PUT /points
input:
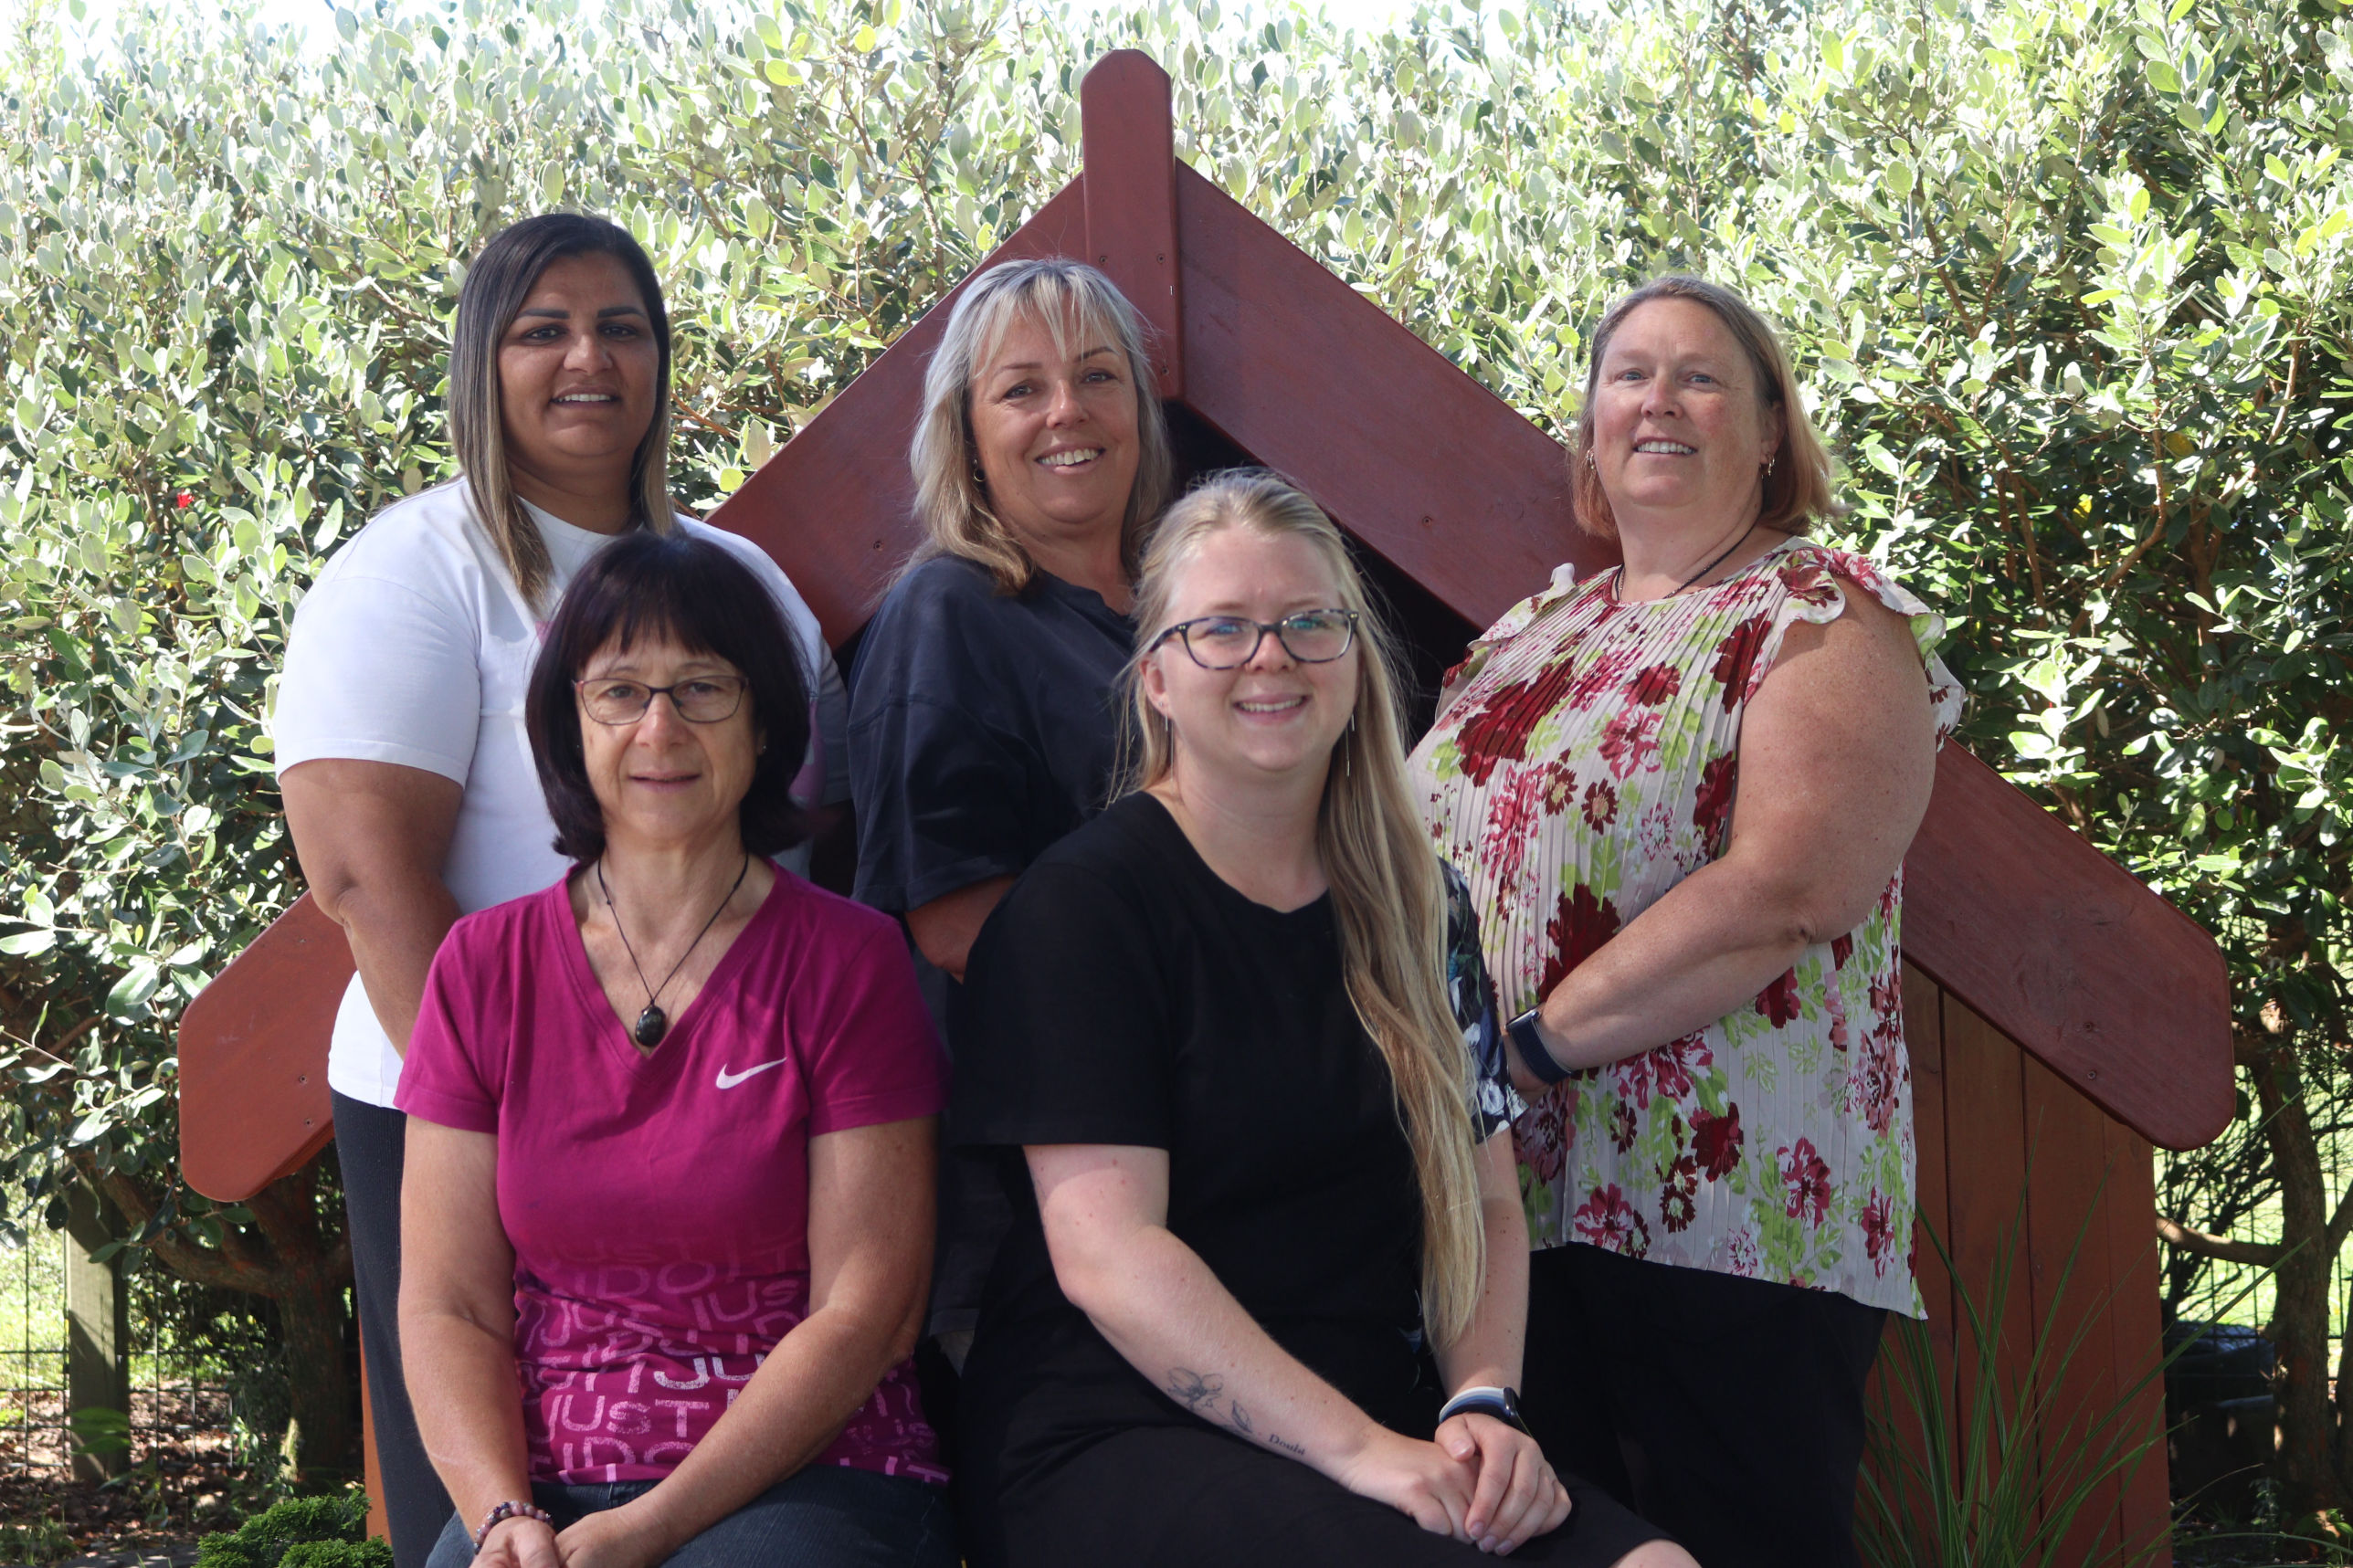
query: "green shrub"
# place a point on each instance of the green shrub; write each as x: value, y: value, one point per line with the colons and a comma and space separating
x: 301, y: 1532
x: 2066, y: 279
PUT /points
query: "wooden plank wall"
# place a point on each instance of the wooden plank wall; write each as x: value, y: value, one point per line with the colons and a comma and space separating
x: 2002, y: 1139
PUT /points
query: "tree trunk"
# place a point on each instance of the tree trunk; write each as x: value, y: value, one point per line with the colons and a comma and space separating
x: 2299, y: 1328
x: 293, y: 1265
x: 319, y: 1451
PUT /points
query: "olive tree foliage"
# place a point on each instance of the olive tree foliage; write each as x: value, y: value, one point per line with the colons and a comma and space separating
x: 2065, y: 279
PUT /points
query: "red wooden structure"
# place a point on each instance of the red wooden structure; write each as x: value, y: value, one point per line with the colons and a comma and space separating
x: 2061, y: 1017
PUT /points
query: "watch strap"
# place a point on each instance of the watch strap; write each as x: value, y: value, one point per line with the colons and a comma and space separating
x: 1501, y: 1403
x: 1523, y: 1030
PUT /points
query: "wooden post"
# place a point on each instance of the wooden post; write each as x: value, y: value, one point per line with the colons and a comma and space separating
x: 98, y: 1340
x: 1128, y: 137
x: 379, y: 1522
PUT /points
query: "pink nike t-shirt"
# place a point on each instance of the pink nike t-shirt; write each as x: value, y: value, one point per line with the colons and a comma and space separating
x: 659, y: 1205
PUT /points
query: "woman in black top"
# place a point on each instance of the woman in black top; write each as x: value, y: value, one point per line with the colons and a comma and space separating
x: 1225, y: 1028
x: 981, y: 723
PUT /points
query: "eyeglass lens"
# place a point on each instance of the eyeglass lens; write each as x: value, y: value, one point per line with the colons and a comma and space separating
x: 1225, y: 642
x: 705, y: 701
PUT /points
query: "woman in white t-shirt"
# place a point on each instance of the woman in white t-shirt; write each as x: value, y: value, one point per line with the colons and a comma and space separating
x: 407, y: 777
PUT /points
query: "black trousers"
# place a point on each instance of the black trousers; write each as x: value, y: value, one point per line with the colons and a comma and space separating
x: 1727, y: 1412
x: 1180, y: 1497
x: 369, y: 1140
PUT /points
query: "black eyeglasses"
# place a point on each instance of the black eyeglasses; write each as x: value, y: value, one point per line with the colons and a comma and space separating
x: 1229, y: 642
x: 705, y: 700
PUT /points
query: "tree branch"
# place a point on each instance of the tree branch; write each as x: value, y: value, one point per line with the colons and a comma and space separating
x: 2263, y: 1253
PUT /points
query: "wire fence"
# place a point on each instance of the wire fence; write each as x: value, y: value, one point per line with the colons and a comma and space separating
x: 2246, y: 1294
x: 178, y: 1408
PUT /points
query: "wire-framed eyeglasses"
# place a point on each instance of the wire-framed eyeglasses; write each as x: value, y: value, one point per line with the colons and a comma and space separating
x: 1229, y: 642
x: 703, y: 700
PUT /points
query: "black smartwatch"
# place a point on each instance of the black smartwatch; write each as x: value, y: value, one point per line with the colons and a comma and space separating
x: 1502, y: 1404
x: 1523, y: 1030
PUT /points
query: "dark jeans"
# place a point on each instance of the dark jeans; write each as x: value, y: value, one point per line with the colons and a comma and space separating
x: 369, y: 1140
x: 823, y: 1516
x: 1727, y: 1412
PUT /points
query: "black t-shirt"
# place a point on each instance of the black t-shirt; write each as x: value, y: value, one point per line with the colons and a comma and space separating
x: 1124, y: 994
x: 982, y: 728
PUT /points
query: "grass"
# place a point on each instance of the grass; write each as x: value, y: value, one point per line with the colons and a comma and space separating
x: 1955, y: 1483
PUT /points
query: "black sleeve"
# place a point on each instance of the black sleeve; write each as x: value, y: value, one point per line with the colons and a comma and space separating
x: 1472, y: 993
x: 1070, y: 1037
x: 937, y: 768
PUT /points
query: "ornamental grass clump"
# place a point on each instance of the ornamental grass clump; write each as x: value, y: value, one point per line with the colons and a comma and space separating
x: 2002, y: 1476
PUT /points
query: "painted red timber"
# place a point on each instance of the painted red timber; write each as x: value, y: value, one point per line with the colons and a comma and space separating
x: 836, y: 505
x: 253, y: 1057
x: 1129, y: 138
x: 2109, y: 986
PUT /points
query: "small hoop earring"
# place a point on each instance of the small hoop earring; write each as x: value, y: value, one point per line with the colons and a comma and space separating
x: 979, y: 479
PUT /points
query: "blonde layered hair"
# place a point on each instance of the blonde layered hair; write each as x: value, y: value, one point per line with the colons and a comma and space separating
x: 496, y: 286
x: 1386, y: 890
x: 1798, y: 486
x: 1072, y: 302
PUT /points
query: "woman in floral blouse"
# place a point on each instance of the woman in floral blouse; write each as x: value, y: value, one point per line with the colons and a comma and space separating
x: 1680, y: 792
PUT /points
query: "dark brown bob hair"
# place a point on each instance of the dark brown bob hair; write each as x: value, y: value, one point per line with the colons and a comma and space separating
x: 500, y: 278
x: 696, y: 593
x: 1796, y: 487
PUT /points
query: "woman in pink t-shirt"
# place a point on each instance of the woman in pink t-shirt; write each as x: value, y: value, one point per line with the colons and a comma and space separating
x: 670, y: 1138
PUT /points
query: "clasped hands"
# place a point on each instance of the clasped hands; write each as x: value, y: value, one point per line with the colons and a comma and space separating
x: 1485, y: 1484
x: 610, y: 1538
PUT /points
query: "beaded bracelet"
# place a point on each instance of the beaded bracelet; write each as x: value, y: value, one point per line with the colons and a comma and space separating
x: 504, y: 1511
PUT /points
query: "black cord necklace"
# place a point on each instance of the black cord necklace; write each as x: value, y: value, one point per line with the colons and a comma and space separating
x: 653, y: 1023
x: 1695, y: 576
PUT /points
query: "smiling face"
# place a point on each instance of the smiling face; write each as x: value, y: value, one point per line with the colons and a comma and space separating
x: 578, y: 369
x: 662, y: 780
x: 1272, y: 717
x: 1055, y: 431
x: 1680, y: 423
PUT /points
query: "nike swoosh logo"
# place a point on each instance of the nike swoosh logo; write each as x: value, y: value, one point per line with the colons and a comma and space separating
x: 729, y: 1079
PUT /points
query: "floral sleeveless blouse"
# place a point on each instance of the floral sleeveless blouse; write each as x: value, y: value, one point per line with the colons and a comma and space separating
x: 1587, y: 766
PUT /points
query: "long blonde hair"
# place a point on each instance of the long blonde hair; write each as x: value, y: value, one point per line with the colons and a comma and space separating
x: 1386, y: 890
x: 1068, y: 298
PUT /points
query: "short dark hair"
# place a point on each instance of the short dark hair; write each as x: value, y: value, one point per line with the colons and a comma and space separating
x: 696, y: 593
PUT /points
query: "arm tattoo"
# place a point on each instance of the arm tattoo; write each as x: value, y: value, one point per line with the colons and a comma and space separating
x: 1195, y: 1392
x: 1200, y: 1391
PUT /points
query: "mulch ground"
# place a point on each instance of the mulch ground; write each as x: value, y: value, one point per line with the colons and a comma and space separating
x: 182, y: 1481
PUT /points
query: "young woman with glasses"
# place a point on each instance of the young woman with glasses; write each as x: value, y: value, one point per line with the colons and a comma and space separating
x: 1232, y: 1044
x: 671, y: 1134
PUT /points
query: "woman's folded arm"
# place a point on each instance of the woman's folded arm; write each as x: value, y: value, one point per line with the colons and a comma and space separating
x: 456, y: 1329
x: 1105, y: 1211
x: 1837, y: 759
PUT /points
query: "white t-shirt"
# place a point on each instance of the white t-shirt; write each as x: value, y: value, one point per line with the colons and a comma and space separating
x: 414, y: 647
